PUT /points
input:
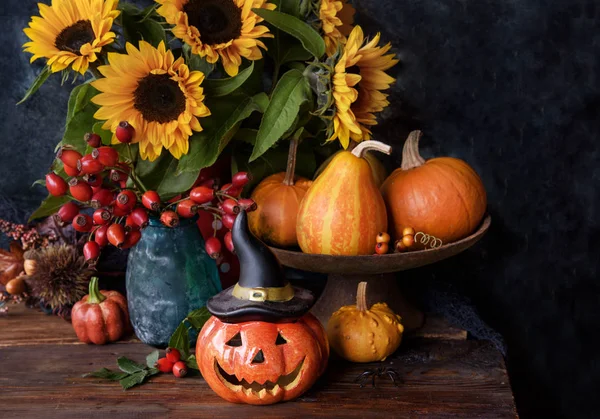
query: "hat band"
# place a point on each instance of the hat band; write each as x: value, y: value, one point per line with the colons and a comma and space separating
x: 285, y: 293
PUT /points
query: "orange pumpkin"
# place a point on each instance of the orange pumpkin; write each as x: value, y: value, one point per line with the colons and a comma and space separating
x: 443, y: 197
x: 377, y: 168
x: 278, y: 199
x: 343, y: 210
x: 262, y: 363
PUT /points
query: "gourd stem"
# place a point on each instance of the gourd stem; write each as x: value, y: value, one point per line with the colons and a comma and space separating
x: 361, y: 296
x: 360, y: 149
x: 95, y: 296
x: 291, y: 163
x: 410, y: 153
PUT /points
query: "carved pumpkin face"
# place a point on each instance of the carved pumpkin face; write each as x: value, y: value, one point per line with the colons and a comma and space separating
x: 262, y: 363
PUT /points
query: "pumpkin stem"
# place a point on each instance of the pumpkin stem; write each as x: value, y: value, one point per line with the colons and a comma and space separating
x: 95, y: 296
x: 410, y: 153
x: 361, y: 148
x: 291, y: 163
x: 361, y: 296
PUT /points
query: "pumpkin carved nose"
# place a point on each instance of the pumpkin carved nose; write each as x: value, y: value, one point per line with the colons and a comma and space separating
x: 259, y: 358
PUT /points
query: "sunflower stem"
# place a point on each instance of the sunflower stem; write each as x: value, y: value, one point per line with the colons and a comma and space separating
x: 134, y: 177
x: 95, y: 296
x: 291, y: 162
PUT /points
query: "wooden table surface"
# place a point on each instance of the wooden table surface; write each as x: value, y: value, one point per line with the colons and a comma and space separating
x: 443, y: 374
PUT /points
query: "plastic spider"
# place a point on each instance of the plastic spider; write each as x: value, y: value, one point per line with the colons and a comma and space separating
x: 379, y: 372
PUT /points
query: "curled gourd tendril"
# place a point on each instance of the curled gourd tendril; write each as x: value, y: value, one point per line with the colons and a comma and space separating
x: 428, y: 240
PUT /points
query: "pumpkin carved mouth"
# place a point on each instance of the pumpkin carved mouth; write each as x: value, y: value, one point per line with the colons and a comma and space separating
x: 286, y: 382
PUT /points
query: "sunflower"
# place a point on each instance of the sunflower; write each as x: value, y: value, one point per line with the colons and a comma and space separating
x: 336, y: 18
x: 71, y: 32
x: 219, y: 28
x: 358, y: 78
x: 158, y: 95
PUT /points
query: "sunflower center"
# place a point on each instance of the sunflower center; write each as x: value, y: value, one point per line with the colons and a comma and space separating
x: 218, y: 21
x: 75, y: 36
x: 159, y: 99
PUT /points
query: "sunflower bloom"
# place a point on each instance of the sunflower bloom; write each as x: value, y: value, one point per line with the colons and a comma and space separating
x: 225, y: 29
x: 158, y: 95
x: 358, y: 79
x: 71, y: 32
x: 336, y: 18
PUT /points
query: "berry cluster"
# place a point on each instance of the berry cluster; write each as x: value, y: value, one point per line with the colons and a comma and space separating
x: 172, y: 363
x: 29, y: 237
x: 405, y: 243
x: 122, y: 205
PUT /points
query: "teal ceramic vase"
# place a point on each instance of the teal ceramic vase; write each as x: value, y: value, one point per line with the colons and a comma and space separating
x: 169, y: 274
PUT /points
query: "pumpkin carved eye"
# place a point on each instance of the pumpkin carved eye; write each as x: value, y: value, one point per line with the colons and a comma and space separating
x: 235, y: 341
x: 280, y: 340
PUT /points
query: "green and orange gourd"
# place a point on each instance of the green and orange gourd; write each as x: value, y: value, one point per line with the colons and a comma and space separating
x: 343, y: 210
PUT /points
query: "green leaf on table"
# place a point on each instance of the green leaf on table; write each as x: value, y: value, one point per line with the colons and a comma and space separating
x: 107, y: 374
x: 133, y: 379
x: 197, y: 318
x: 310, y: 39
x: 152, y: 358
x: 290, y: 93
x: 223, y: 87
x: 49, y: 206
x: 191, y: 362
x: 180, y: 340
x: 137, y: 27
x: 195, y: 62
x: 127, y: 365
x: 153, y: 371
x: 37, y: 83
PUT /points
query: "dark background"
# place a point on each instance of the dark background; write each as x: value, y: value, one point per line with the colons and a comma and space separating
x: 510, y: 86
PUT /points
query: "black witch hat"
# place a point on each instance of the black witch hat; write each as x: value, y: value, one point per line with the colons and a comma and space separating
x: 262, y: 292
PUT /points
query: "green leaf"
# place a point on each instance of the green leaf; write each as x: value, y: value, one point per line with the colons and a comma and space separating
x: 227, y: 115
x: 223, y: 87
x: 197, y: 318
x: 37, y: 83
x: 310, y: 39
x: 153, y: 371
x: 80, y: 117
x: 197, y: 63
x: 39, y: 182
x: 133, y: 379
x: 191, y: 362
x: 49, y: 206
x: 294, y: 53
x: 136, y: 27
x: 180, y: 340
x: 127, y: 365
x: 147, y: 12
x: 152, y: 358
x: 104, y: 134
x: 289, y: 94
x: 173, y: 181
x: 107, y: 374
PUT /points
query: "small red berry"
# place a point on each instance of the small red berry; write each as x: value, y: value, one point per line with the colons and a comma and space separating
x: 124, y: 132
x: 101, y: 216
x: 247, y: 204
x: 126, y: 200
x: 164, y: 365
x: 169, y: 218
x: 210, y: 183
x: 56, y: 185
x: 202, y: 194
x: 118, y: 212
x: 151, y: 200
x: 131, y: 239
x: 121, y: 174
x: 100, y: 235
x: 71, y: 171
x: 116, y: 235
x: 187, y: 208
x: 241, y: 179
x: 92, y: 139
x: 91, y: 251
x: 83, y: 223
x: 139, y: 216
x: 108, y: 156
x: 213, y: 247
x: 230, y: 206
x: 66, y: 213
x: 180, y: 369
x: 381, y: 248
x: 173, y: 355
x: 93, y: 180
x: 80, y: 190
x: 88, y: 165
x: 231, y: 190
x: 130, y: 224
x: 228, y: 220
x: 68, y: 157
x: 102, y: 198
x: 228, y: 239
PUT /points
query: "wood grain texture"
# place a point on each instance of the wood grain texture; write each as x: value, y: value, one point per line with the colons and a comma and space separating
x: 41, y: 376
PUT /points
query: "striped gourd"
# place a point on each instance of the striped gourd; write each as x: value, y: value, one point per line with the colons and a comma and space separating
x: 343, y: 210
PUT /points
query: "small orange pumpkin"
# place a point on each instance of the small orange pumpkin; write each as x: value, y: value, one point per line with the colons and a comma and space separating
x: 258, y: 362
x: 377, y: 168
x: 443, y: 197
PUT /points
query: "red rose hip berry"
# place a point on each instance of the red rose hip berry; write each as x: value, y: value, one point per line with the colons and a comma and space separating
x: 91, y: 251
x: 93, y: 140
x: 80, y: 190
x: 71, y: 171
x: 231, y: 207
x: 228, y: 220
x: 90, y: 166
x: 69, y: 157
x: 101, y: 216
x: 124, y: 132
x: 126, y: 200
x: 151, y: 200
x: 180, y: 369
x: 202, y: 194
x: 169, y: 218
x: 131, y: 239
x: 100, y: 236
x: 247, y: 204
x: 228, y: 239
x: 66, y: 213
x: 164, y: 365
x: 139, y: 216
x: 102, y: 198
x: 108, y: 156
x: 213, y: 247
x: 116, y: 235
x: 83, y: 223
x: 241, y: 179
x: 187, y: 208
x: 173, y: 355
x: 56, y: 185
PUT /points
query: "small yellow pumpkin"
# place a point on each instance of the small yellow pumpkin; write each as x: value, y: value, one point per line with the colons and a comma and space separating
x: 359, y: 334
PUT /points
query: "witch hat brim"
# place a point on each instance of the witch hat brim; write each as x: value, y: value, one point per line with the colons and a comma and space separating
x: 262, y: 292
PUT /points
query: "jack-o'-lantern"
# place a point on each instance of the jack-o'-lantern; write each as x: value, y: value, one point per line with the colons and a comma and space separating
x: 261, y: 346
